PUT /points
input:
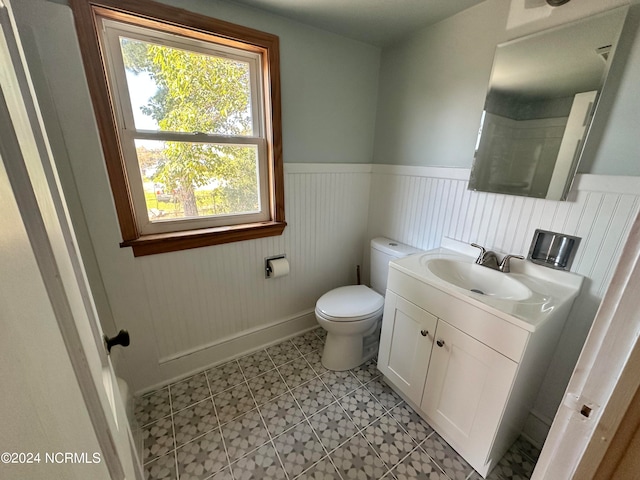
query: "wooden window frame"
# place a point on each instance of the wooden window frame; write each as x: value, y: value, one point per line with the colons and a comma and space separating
x: 175, y: 20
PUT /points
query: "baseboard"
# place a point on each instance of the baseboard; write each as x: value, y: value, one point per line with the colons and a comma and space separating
x: 228, y: 348
x: 536, y: 428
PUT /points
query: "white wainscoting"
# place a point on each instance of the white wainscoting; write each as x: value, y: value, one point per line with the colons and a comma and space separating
x: 204, y: 298
x: 420, y: 205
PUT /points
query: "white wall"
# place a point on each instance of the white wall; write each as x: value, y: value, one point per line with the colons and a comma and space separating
x: 617, y: 148
x: 433, y: 87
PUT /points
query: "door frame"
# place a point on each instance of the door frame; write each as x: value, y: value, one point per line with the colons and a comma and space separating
x: 39, y: 198
x: 604, y: 381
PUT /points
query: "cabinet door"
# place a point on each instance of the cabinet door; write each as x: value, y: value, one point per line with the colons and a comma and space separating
x: 405, y: 345
x: 467, y: 387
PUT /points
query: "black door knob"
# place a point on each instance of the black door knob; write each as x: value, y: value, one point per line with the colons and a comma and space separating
x: 122, y: 338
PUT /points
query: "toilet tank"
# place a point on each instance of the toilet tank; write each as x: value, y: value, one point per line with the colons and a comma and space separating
x: 383, y: 250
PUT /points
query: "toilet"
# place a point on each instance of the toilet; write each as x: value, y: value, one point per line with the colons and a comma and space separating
x: 352, y: 315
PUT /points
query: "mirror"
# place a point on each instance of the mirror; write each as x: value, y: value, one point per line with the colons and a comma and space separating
x: 542, y: 97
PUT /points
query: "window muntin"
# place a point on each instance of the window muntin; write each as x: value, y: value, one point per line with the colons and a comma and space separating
x: 210, y: 128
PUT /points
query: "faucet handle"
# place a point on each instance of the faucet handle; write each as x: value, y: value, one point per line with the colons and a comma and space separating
x: 482, y: 252
x: 505, y: 264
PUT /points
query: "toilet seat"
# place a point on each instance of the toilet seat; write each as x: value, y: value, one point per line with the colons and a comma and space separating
x: 349, y: 304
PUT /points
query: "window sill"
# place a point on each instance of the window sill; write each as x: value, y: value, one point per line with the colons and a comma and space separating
x: 175, y: 241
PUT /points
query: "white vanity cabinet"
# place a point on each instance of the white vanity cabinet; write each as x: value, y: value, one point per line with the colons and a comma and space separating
x: 466, y: 389
x: 407, y: 333
x: 472, y: 375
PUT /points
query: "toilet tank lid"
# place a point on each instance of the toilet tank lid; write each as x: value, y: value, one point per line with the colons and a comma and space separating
x: 350, y: 301
x: 393, y: 248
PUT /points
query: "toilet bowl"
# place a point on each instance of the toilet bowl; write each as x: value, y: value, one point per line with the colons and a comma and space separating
x: 352, y: 315
x: 349, y: 315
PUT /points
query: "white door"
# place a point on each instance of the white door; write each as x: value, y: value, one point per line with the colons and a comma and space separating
x: 405, y: 345
x: 466, y: 390
x: 30, y: 176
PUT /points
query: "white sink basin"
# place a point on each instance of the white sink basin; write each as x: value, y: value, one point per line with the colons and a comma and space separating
x: 478, y: 279
x: 528, y: 296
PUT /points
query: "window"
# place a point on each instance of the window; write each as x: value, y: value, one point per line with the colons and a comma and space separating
x: 189, y: 118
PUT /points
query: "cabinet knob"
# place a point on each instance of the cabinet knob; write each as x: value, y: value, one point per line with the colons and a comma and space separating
x: 424, y: 333
x: 440, y: 343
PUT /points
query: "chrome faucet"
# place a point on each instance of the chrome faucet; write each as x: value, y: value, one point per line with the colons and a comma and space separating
x: 505, y: 265
x: 490, y: 259
x: 486, y: 258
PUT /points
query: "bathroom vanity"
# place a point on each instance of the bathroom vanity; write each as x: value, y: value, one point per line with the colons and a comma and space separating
x: 468, y: 346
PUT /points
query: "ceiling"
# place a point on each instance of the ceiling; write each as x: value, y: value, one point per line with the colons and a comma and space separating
x: 378, y: 22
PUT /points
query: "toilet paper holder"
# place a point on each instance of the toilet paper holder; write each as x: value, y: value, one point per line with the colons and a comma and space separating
x: 553, y: 249
x: 267, y: 267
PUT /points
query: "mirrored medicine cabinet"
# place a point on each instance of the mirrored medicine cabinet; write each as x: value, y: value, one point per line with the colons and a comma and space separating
x: 542, y: 97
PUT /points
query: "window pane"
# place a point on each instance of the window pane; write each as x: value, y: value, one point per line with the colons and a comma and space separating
x: 175, y: 90
x: 187, y: 180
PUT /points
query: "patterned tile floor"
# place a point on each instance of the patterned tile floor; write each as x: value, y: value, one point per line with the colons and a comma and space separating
x: 279, y: 414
